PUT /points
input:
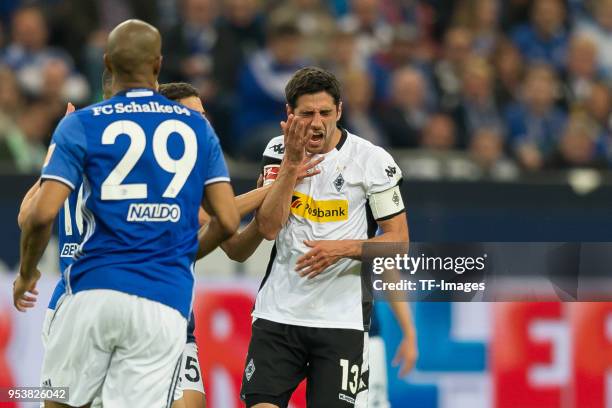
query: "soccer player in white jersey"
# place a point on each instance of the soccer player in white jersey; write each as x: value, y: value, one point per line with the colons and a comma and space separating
x: 190, y: 390
x: 310, y: 320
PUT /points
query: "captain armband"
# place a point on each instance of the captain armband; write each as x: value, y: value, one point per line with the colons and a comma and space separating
x: 386, y: 204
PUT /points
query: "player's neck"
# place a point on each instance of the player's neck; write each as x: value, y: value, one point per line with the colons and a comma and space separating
x: 120, y: 85
x: 334, y: 141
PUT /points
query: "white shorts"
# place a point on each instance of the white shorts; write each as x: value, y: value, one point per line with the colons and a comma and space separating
x: 97, y: 402
x: 377, y: 390
x: 121, y: 347
x: 190, y: 378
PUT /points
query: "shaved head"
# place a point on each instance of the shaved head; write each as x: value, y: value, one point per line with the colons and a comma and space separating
x: 133, y: 55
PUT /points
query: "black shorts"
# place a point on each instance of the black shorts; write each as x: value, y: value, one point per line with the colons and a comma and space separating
x: 333, y: 361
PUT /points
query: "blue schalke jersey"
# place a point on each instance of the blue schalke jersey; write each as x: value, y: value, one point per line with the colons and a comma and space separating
x: 144, y: 162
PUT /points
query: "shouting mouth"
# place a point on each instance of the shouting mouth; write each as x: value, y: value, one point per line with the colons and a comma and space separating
x: 316, y: 139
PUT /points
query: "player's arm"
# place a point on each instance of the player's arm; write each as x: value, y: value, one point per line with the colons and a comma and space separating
x: 240, y: 246
x: 38, y: 224
x: 212, y: 234
x: 274, y: 211
x: 26, y: 203
x: 61, y: 172
x: 407, y: 351
x: 35, y: 234
x: 221, y: 202
x: 325, y: 253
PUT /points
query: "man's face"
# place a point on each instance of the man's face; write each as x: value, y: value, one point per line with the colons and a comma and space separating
x: 320, y: 109
x: 193, y: 102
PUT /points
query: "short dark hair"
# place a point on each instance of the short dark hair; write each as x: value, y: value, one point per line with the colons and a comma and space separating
x: 312, y: 80
x: 176, y: 91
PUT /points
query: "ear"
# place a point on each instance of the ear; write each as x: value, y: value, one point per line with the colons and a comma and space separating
x: 157, y: 65
x: 288, y: 109
x: 339, y: 115
x: 107, y: 63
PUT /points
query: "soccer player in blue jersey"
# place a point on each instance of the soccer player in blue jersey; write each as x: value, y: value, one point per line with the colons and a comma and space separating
x: 144, y: 162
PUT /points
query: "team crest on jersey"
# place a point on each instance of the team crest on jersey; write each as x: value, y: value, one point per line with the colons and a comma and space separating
x: 307, y: 207
x: 339, y: 182
x: 249, y: 370
x: 395, y: 198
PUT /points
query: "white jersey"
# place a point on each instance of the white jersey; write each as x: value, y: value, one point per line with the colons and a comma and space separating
x: 332, y: 205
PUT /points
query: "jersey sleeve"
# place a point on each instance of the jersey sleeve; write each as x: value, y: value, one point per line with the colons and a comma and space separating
x: 216, y: 170
x: 274, y: 152
x: 271, y: 160
x: 66, y: 156
x: 381, y: 173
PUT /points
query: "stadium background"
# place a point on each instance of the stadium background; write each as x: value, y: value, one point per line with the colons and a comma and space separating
x: 498, y: 113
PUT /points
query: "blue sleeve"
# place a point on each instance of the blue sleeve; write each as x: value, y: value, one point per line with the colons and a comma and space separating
x: 216, y: 169
x: 66, y: 156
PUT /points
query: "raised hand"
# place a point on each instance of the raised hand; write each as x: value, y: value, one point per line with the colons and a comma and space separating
x: 296, y: 135
x: 308, y: 167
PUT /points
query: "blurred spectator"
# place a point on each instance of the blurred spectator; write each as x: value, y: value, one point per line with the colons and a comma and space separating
x: 188, y: 46
x: 447, y: 71
x: 598, y: 108
x: 261, y: 89
x: 59, y: 88
x: 314, y: 21
x: 357, y: 101
x: 509, y: 69
x: 487, y: 151
x: 600, y: 31
x: 372, y: 30
x: 514, y: 13
x: 581, y: 70
x: 439, y: 133
x: 477, y: 108
x: 241, y: 33
x: 577, y: 147
x: 22, y: 144
x: 28, y: 54
x: 535, y: 123
x: 72, y: 22
x: 407, y: 48
x: 545, y: 38
x: 11, y: 99
x: 494, y: 75
x: 402, y: 121
x: 481, y: 17
x: 344, y: 58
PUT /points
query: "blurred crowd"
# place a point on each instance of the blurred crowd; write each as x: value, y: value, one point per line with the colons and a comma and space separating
x: 521, y: 84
